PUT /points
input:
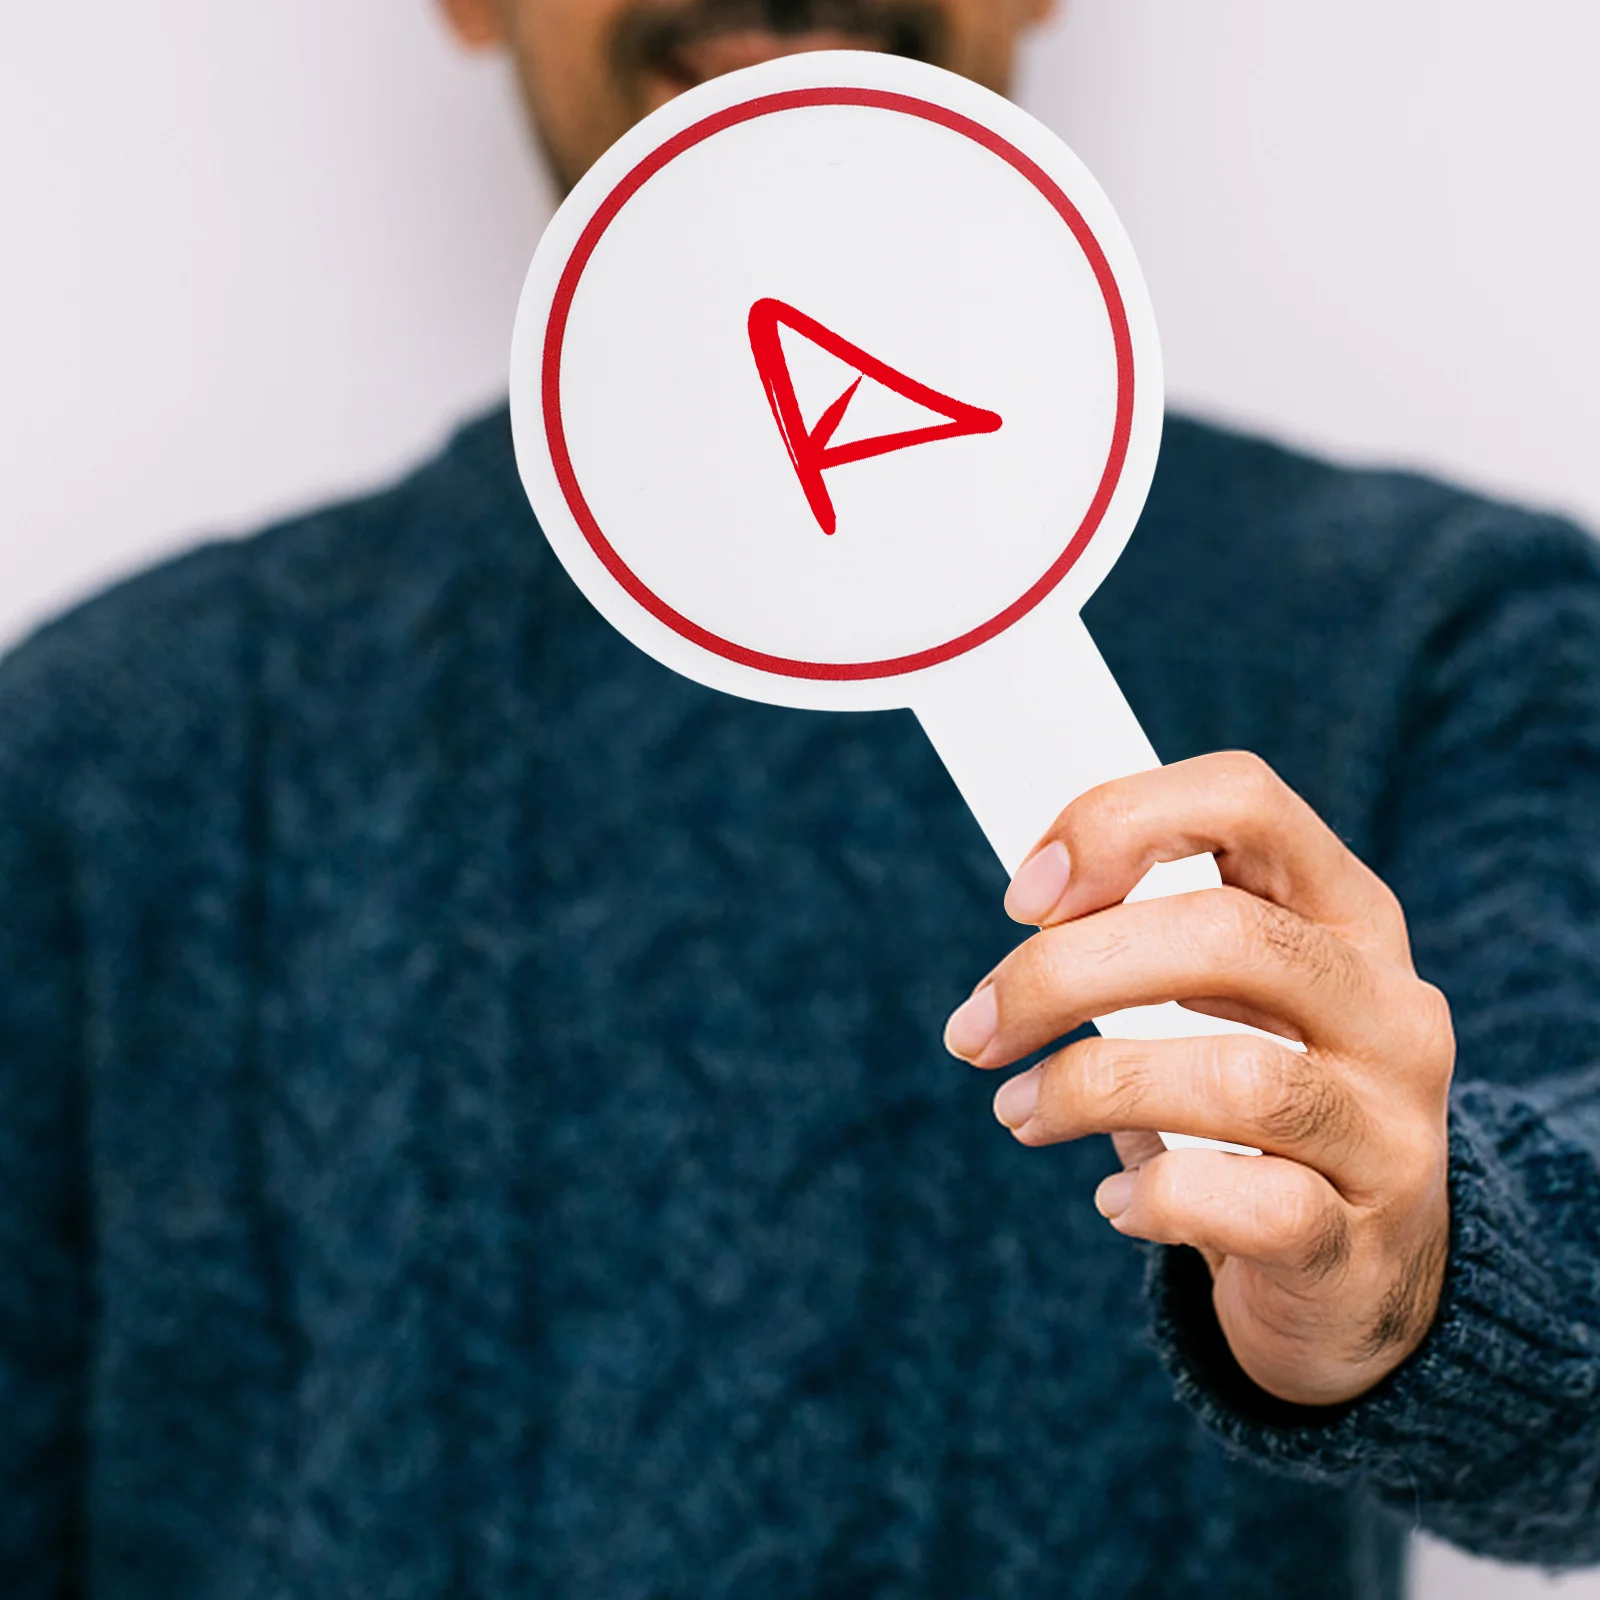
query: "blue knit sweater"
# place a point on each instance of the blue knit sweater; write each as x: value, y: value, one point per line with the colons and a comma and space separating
x: 473, y: 1122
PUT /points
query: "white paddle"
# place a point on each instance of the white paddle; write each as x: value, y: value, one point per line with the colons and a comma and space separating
x: 836, y: 384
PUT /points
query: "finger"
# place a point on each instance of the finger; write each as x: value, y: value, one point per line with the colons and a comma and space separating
x: 1280, y: 1215
x: 1234, y: 1087
x: 1218, y: 944
x: 1266, y: 839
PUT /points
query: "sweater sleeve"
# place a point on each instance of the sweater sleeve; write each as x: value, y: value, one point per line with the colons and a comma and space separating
x: 43, y: 1225
x: 1489, y: 1435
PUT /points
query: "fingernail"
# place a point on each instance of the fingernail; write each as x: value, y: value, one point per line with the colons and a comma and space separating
x: 1018, y: 1099
x: 973, y: 1025
x: 1115, y: 1195
x: 1039, y: 885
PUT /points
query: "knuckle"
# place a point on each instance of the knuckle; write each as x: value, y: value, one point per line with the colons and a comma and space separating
x: 1388, y: 909
x: 1293, y: 1224
x: 1252, y: 782
x: 1104, y: 812
x: 1117, y: 1080
x: 1292, y: 1100
x: 1419, y: 1179
x: 1285, y: 938
x: 1283, y: 1218
x: 1435, y: 1045
x: 1220, y: 924
x: 1417, y: 1046
x: 1242, y: 927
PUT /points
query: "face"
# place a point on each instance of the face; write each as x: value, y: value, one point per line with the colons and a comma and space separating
x: 590, y: 69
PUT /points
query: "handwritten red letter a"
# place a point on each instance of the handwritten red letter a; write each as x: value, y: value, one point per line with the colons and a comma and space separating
x: 810, y: 449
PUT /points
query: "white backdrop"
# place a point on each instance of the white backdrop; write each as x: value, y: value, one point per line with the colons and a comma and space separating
x: 258, y: 252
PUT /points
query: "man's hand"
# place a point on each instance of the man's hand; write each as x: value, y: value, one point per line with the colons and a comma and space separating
x: 1327, y: 1251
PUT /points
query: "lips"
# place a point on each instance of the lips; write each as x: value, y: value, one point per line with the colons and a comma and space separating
x: 663, y: 46
x: 695, y: 60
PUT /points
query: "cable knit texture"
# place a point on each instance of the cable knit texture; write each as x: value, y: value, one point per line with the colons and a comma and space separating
x: 473, y: 1123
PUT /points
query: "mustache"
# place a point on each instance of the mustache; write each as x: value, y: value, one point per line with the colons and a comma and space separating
x: 650, y: 36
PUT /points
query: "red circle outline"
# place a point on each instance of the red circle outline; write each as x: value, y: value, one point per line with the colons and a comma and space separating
x: 561, y: 309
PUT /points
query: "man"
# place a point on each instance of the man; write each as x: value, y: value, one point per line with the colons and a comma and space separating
x: 472, y: 1116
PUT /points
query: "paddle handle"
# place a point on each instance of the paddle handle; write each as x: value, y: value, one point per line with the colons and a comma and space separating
x: 1025, y: 725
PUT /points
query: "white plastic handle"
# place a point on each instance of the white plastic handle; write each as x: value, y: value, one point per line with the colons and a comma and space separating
x: 1025, y: 725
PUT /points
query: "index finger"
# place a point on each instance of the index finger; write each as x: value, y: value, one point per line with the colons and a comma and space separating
x: 1266, y: 840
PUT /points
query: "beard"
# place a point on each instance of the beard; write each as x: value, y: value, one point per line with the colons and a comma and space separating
x: 657, y: 37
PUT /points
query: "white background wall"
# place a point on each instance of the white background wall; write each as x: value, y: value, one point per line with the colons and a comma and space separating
x: 257, y: 252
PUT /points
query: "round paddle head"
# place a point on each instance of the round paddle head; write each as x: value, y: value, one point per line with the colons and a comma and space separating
x: 829, y: 373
